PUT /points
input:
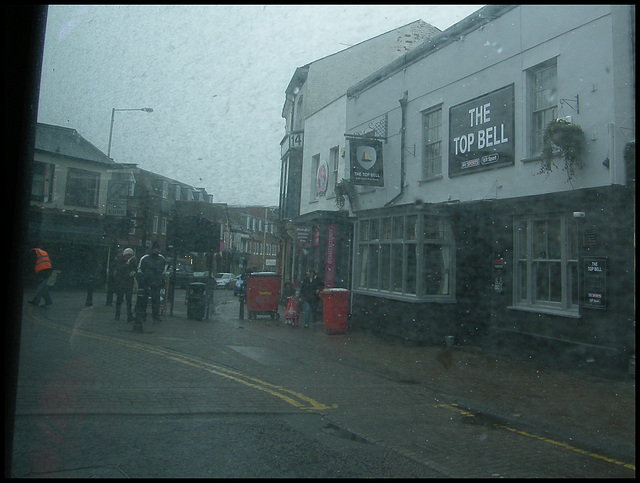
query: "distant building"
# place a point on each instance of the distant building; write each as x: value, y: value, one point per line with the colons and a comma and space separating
x: 85, y: 207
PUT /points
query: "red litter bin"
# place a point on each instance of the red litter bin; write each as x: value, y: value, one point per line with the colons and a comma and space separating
x: 335, y: 309
x: 263, y: 294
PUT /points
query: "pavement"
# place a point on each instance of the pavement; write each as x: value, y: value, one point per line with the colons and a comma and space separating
x: 593, y: 412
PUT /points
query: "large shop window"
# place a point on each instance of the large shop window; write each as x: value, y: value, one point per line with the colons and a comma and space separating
x: 82, y: 188
x: 406, y: 256
x: 546, y: 268
x: 42, y: 182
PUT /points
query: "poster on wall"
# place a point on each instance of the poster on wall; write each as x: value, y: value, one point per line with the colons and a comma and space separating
x: 481, y: 133
x: 330, y: 256
x: 322, y: 178
x: 366, y: 162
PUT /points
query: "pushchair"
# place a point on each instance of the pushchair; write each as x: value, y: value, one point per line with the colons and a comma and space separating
x: 291, y: 312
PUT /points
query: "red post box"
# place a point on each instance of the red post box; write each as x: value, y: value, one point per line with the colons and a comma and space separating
x: 335, y: 309
x: 263, y: 294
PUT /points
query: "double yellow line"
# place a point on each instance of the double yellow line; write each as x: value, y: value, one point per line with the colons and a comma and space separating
x: 454, y: 407
x: 293, y: 398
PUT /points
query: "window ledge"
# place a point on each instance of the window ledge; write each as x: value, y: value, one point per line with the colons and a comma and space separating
x: 406, y: 297
x: 532, y: 159
x: 430, y: 178
x: 546, y: 310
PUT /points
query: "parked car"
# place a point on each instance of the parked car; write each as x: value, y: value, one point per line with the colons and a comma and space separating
x: 225, y: 280
x: 184, y: 275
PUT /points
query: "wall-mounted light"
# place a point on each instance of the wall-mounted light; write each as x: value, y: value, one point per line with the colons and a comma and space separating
x: 605, y: 163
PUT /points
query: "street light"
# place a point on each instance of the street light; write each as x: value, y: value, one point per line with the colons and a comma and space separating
x: 113, y: 113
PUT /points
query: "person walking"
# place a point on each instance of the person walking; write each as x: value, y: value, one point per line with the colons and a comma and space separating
x: 43, y: 270
x: 309, y: 290
x: 124, y: 275
x: 150, y: 281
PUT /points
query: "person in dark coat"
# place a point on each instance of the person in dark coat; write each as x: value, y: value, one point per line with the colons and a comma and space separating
x: 124, y: 275
x: 150, y: 281
x: 309, y: 290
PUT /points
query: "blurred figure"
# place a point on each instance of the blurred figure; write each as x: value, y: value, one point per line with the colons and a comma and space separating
x: 43, y: 270
x: 150, y: 281
x: 309, y: 290
x: 123, y: 277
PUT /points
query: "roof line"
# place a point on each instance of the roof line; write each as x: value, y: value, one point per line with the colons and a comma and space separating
x: 463, y: 27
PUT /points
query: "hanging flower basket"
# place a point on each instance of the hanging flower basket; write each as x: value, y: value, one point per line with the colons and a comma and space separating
x: 345, y: 190
x: 565, y: 139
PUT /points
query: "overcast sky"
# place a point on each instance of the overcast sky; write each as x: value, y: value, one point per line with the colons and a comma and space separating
x: 214, y: 76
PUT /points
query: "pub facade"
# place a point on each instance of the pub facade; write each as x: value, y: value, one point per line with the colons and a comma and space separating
x: 476, y: 218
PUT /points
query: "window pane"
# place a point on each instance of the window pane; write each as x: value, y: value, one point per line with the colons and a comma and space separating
x: 540, y: 240
x: 364, y: 230
x: 573, y: 283
x: 542, y: 281
x: 373, y: 267
x: 435, y: 270
x: 396, y: 268
x: 82, y: 188
x: 386, y: 228
x: 364, y: 260
x: 432, y: 162
x: 434, y: 228
x: 398, y: 227
x: 555, y: 282
x: 411, y: 269
x: 411, y: 227
x: 522, y: 285
x: 375, y: 229
x: 572, y: 228
x: 385, y: 263
x: 554, y: 242
x: 521, y: 239
x: 544, y: 102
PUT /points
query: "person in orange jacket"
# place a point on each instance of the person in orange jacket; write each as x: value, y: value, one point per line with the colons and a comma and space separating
x: 43, y: 269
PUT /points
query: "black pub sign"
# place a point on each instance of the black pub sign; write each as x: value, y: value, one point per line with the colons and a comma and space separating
x: 481, y: 133
x: 594, y: 275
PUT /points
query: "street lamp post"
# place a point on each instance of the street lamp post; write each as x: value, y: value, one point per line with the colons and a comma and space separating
x: 113, y: 113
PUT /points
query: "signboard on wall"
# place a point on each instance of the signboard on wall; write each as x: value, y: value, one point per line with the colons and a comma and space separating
x: 330, y: 256
x: 481, y: 133
x: 594, y: 274
x: 322, y: 178
x: 365, y: 156
x: 303, y: 235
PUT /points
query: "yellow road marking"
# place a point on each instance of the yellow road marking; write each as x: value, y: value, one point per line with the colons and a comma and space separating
x: 454, y: 407
x: 296, y: 399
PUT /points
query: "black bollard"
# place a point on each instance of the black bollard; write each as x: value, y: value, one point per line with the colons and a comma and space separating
x: 89, y: 301
x: 241, y: 316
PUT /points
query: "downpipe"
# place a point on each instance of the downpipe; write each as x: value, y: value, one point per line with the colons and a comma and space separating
x: 403, y: 130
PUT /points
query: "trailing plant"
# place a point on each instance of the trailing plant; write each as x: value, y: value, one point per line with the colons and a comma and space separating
x: 570, y: 141
x: 345, y: 190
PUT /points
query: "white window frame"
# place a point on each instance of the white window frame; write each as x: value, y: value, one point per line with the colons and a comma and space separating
x: 543, y: 94
x: 391, y: 257
x: 432, y: 138
x: 89, y: 181
x: 334, y: 164
x: 313, y: 185
x: 545, y: 274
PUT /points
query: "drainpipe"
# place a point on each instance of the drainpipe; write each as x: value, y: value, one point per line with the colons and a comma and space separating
x: 613, y: 161
x: 403, y: 131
